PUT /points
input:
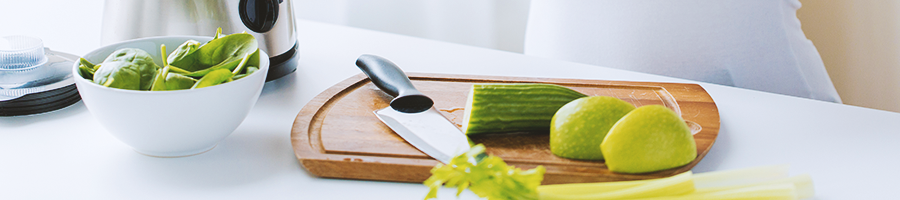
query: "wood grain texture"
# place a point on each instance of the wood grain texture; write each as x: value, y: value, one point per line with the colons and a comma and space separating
x: 336, y: 135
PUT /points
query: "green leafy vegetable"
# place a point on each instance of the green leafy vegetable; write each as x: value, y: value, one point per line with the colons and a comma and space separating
x: 223, y: 59
x: 179, y: 82
x: 252, y: 65
x: 119, y: 74
x: 85, y: 63
x: 132, y: 68
x: 253, y: 61
x: 220, y: 53
x: 248, y: 71
x: 86, y: 69
x: 488, y: 177
x: 177, y: 69
x: 241, y: 64
x: 159, y: 81
x: 218, y: 33
x: 183, y: 50
x: 213, y: 78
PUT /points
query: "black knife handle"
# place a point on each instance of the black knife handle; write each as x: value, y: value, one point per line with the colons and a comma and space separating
x: 390, y: 79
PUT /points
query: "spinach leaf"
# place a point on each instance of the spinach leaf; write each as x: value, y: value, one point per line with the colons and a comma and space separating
x: 86, y: 69
x: 220, y: 53
x: 239, y: 76
x: 179, y: 82
x: 249, y: 71
x: 142, y: 70
x: 253, y: 62
x: 240, y: 67
x: 85, y: 63
x: 86, y: 72
x: 159, y: 81
x: 213, y: 78
x: 218, y: 33
x: 184, y: 50
x: 203, y: 72
x: 119, y: 74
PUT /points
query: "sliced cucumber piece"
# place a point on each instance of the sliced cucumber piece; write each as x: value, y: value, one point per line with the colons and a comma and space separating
x: 514, y: 107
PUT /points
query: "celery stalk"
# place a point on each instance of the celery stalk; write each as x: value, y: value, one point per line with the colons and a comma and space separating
x: 701, y: 180
x: 781, y: 191
x: 490, y: 177
x: 804, y: 186
x: 589, y: 188
x: 766, y: 182
x: 676, y: 185
x: 740, y: 176
x: 802, y: 183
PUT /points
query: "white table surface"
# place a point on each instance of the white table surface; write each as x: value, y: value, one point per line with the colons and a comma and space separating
x: 851, y: 152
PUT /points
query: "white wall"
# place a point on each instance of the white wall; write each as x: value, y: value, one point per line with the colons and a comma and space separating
x: 497, y: 24
x: 859, y: 41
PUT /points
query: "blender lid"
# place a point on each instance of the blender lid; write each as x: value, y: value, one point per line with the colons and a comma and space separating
x: 34, y: 79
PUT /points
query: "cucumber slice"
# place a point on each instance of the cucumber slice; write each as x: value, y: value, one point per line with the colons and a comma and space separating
x: 515, y: 107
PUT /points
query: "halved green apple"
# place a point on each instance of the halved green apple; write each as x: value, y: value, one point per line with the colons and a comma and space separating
x: 649, y: 138
x: 578, y: 128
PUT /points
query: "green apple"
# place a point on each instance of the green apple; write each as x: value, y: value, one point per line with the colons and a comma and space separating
x: 578, y: 128
x: 649, y: 138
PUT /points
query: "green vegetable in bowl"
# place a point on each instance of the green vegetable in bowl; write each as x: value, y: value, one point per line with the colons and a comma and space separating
x: 159, y: 81
x: 86, y: 64
x: 176, y: 81
x: 221, y: 53
x: 86, y: 72
x: 87, y: 69
x: 132, y: 55
x: 213, y: 78
x: 119, y: 74
x: 185, y: 49
x: 250, y: 70
x: 223, y: 59
x: 127, y: 68
x: 247, y: 67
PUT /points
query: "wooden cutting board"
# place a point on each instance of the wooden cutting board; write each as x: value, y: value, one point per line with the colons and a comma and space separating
x: 336, y: 135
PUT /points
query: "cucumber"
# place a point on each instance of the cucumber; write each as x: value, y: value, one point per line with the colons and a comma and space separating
x: 514, y: 107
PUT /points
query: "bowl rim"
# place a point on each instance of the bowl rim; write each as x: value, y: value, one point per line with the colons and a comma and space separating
x: 264, y: 66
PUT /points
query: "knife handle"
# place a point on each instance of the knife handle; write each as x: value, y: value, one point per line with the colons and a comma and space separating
x: 390, y: 79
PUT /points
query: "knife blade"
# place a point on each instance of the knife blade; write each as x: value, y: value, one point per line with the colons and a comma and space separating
x: 411, y: 114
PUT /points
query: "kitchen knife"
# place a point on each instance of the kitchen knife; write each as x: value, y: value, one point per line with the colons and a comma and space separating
x: 411, y: 114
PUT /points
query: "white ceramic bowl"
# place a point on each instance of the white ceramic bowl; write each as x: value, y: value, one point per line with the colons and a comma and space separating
x: 170, y: 123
